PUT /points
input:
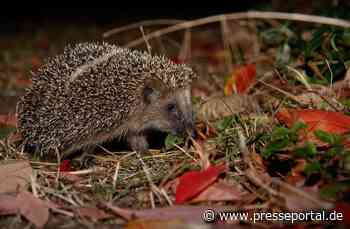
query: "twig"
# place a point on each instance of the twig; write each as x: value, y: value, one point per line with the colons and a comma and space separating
x: 146, y: 40
x: 167, y: 198
x: 185, y: 51
x: 330, y: 70
x: 34, y: 184
x: 251, y: 172
x: 151, y: 199
x: 140, y: 23
x: 115, y: 176
x: 244, y: 15
x: 289, y: 95
x: 63, y: 212
x: 185, y: 152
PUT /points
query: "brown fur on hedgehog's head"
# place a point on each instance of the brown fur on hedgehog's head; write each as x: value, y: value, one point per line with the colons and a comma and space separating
x: 164, y: 110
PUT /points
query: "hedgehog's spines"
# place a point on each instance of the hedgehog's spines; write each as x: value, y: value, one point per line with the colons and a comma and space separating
x: 100, y: 96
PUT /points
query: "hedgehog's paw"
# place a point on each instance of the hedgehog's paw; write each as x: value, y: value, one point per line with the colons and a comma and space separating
x: 138, y: 143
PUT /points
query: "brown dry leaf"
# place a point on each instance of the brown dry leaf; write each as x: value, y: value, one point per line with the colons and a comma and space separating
x: 93, y: 213
x: 220, y: 107
x: 33, y: 209
x: 219, y: 191
x: 157, y: 224
x: 8, y: 204
x: 14, y: 176
x: 321, y: 97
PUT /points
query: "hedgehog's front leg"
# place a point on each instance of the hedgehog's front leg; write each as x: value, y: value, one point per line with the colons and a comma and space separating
x: 138, y: 142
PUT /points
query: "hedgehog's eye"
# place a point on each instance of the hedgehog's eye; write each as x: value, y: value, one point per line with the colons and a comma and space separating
x: 171, y: 107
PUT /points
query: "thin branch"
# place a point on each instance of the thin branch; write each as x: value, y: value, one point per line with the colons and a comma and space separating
x: 244, y: 15
x: 138, y: 24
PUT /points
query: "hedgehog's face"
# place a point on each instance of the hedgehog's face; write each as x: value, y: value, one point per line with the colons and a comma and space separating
x: 168, y: 110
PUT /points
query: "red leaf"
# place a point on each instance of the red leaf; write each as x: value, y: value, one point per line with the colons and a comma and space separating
x: 65, y: 166
x: 333, y: 122
x: 192, y: 183
x: 328, y: 121
x: 241, y: 79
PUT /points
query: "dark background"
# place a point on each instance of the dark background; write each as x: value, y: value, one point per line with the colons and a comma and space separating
x: 16, y: 20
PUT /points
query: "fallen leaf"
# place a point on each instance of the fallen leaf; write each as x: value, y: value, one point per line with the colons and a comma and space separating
x: 219, y: 191
x: 14, y: 176
x: 241, y: 79
x: 217, y: 107
x: 93, y: 213
x: 8, y: 204
x: 328, y: 121
x: 194, y: 182
x: 8, y: 120
x: 33, y: 209
x: 30, y: 207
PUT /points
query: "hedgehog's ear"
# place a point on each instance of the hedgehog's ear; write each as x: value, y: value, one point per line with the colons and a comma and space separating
x: 153, y: 90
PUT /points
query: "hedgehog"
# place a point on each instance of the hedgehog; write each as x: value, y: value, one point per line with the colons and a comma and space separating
x: 96, y: 92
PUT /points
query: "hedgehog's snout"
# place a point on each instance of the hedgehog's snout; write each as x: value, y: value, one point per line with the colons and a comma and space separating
x: 187, y: 127
x: 191, y: 130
